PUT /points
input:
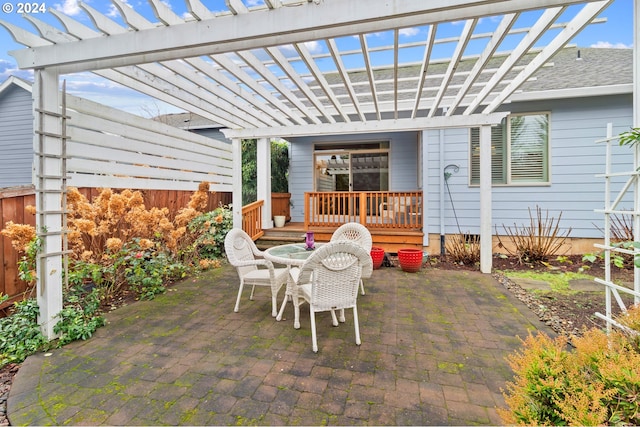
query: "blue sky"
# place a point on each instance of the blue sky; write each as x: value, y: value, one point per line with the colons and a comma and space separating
x: 616, y: 32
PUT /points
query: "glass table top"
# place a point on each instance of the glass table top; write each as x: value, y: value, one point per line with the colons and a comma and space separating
x: 293, y: 253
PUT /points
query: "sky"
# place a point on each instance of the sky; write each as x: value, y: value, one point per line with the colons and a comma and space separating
x: 617, y: 32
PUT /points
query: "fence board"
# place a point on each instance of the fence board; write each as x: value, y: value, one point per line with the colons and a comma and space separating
x: 13, y: 203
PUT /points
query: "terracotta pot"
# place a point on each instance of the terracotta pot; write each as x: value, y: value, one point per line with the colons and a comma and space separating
x: 410, y: 259
x: 377, y: 256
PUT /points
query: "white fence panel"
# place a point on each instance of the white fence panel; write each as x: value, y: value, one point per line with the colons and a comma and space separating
x: 111, y: 148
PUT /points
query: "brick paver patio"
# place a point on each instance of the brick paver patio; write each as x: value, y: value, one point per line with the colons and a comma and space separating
x: 433, y: 353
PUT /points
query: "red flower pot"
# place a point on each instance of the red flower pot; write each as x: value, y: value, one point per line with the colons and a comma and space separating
x: 410, y: 259
x: 377, y: 256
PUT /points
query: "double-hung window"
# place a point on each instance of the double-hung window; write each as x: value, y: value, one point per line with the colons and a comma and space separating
x: 519, y: 151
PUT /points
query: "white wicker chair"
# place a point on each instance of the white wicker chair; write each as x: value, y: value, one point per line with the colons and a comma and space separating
x: 329, y: 279
x: 357, y: 233
x: 243, y: 254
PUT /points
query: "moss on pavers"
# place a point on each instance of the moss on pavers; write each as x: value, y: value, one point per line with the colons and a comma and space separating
x: 189, y: 359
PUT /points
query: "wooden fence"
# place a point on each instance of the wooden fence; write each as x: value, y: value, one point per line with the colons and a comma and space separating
x: 13, y: 203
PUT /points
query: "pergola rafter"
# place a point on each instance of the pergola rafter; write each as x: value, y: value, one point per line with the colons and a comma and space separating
x: 285, y: 84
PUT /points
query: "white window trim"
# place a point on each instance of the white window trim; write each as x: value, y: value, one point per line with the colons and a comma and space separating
x: 510, y: 183
x: 342, y: 148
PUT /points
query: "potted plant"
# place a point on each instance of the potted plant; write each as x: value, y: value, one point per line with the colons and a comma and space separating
x: 410, y: 259
x: 377, y: 256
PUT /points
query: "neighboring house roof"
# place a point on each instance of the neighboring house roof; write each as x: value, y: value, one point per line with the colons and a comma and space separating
x: 13, y: 80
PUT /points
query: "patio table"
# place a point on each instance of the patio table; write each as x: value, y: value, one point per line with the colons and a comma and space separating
x: 291, y: 255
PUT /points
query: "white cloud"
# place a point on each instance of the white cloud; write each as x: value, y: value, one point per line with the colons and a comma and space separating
x: 113, y: 11
x: 312, y: 46
x: 69, y: 7
x: 409, y: 32
x: 8, y: 68
x: 609, y: 45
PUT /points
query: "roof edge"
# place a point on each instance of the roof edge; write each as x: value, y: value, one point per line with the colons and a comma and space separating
x: 582, y: 92
x: 13, y: 80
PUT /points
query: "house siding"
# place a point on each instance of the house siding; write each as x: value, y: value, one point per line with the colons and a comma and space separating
x: 575, y: 190
x: 402, y: 158
x: 16, y: 137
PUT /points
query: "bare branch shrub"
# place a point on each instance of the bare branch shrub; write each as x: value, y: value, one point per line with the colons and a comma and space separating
x: 622, y: 228
x: 539, y: 241
x: 463, y: 248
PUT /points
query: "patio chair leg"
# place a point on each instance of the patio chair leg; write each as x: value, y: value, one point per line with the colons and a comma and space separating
x: 237, y: 307
x: 274, y: 305
x: 334, y: 319
x: 253, y: 288
x: 361, y: 287
x: 296, y: 313
x: 314, y: 338
x: 342, y: 318
x: 357, y: 326
x: 284, y: 304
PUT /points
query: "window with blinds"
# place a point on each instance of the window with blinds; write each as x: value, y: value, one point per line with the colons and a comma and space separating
x: 519, y: 151
x: 498, y: 156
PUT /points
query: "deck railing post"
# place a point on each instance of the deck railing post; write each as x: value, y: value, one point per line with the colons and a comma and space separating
x: 363, y: 208
x: 307, y: 208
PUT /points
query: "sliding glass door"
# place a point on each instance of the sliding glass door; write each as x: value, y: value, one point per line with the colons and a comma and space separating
x: 351, y: 170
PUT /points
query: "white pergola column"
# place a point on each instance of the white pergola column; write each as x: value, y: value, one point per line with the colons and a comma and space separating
x: 236, y: 197
x: 636, y: 123
x: 423, y: 165
x: 263, y: 169
x: 49, y: 157
x: 486, y: 244
x: 636, y: 66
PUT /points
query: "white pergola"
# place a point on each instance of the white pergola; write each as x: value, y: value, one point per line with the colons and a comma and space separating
x: 254, y: 71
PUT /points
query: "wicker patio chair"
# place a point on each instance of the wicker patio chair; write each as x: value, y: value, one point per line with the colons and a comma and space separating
x: 329, y: 280
x: 243, y: 254
x: 357, y: 233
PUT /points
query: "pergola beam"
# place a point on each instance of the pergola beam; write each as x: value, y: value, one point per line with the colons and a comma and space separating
x: 421, y: 123
x: 256, y: 30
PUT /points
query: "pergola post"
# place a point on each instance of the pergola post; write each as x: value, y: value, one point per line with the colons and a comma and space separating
x: 486, y: 244
x: 236, y: 197
x: 636, y: 124
x: 49, y: 179
x: 424, y: 186
x: 263, y: 166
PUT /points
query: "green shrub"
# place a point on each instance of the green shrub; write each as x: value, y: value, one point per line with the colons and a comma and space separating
x: 211, y: 229
x: 20, y: 334
x: 80, y: 316
x: 597, y: 383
